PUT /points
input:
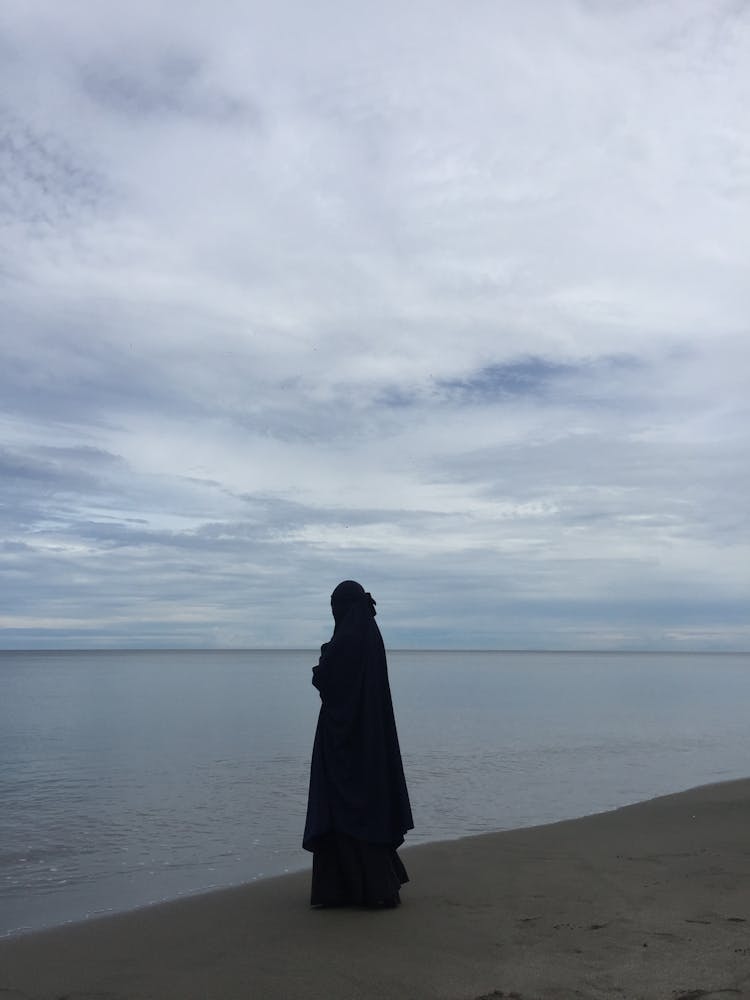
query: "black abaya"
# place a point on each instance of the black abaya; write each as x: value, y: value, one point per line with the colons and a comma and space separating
x: 358, y: 805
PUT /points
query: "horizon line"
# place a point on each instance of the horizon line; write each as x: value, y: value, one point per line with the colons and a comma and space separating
x: 392, y: 649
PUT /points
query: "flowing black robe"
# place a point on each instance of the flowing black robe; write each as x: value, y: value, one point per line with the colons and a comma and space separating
x: 358, y: 805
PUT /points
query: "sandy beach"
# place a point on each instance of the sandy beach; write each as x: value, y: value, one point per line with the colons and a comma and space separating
x: 649, y: 901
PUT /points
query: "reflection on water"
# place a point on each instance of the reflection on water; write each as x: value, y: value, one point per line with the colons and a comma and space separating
x: 131, y: 777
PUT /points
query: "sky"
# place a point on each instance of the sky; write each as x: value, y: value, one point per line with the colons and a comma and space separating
x: 451, y: 298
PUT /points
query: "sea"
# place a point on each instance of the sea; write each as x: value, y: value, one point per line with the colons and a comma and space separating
x: 132, y: 777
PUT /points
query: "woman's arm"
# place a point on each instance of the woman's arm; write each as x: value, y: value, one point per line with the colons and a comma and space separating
x: 316, y: 668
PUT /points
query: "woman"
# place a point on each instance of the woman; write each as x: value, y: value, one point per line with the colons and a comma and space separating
x: 358, y: 806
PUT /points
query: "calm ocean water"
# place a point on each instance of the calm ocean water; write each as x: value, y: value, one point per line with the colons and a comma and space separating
x: 132, y: 777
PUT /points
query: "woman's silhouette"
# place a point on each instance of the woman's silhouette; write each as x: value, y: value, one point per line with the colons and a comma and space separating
x: 358, y: 806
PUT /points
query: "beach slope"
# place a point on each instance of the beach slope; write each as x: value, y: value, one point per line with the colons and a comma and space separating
x: 649, y: 901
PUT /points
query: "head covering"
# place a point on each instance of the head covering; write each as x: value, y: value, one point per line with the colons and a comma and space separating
x: 357, y: 784
x: 351, y: 596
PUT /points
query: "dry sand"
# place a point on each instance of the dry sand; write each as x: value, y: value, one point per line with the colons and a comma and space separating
x: 650, y: 901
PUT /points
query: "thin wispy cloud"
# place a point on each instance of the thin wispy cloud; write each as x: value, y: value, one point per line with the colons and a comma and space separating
x: 450, y: 298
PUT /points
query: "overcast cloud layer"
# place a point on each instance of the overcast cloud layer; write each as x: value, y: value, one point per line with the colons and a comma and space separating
x: 451, y: 298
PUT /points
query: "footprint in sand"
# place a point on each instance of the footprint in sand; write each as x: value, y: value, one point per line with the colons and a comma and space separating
x: 706, y: 994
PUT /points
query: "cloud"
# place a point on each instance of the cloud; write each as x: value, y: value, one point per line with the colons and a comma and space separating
x: 170, y: 85
x: 454, y: 301
x: 44, y: 186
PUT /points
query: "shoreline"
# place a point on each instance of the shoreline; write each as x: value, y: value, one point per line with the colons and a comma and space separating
x: 247, y: 883
x: 648, y: 900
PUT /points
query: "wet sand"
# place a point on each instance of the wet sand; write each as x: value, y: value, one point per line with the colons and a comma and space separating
x: 649, y: 901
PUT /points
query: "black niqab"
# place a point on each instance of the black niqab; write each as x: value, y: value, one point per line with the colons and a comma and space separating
x: 357, y: 784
